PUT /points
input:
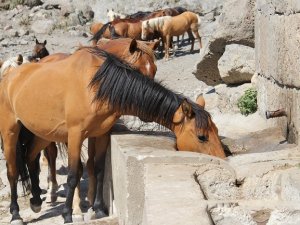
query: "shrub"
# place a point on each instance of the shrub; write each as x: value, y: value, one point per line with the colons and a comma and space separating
x: 247, y: 103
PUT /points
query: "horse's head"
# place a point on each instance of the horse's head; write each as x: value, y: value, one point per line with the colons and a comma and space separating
x: 147, y: 30
x: 195, y: 131
x: 139, y: 54
x: 112, y: 15
x: 39, y: 50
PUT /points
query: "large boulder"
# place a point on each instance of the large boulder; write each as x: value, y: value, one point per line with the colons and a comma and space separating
x: 235, y: 25
x: 237, y: 64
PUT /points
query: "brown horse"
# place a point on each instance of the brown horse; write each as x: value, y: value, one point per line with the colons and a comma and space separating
x: 177, y: 25
x: 140, y: 56
x: 61, y: 118
x: 39, y: 51
x: 120, y: 27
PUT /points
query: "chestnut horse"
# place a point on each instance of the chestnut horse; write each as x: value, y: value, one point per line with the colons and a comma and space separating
x: 60, y: 117
x: 177, y: 25
x: 127, y: 28
x: 139, y: 55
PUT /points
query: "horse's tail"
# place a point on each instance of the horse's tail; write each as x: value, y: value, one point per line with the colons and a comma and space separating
x: 24, y: 142
x: 100, y: 32
x: 198, y: 20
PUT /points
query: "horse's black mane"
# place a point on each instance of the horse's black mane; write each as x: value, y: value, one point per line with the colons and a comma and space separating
x: 130, y: 92
x: 113, y: 32
x: 100, y: 32
x: 138, y: 15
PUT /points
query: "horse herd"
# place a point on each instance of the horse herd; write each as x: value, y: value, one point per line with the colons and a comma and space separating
x: 161, y: 24
x: 71, y: 97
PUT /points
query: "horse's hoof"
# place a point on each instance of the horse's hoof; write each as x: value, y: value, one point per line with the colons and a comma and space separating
x: 35, y: 208
x: 100, y: 214
x: 17, y: 222
x: 89, y: 215
x: 77, y: 218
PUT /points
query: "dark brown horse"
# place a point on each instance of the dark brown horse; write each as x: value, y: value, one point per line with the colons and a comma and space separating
x: 39, y: 51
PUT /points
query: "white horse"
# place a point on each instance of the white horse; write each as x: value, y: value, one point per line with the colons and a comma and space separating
x: 10, y: 63
x: 112, y: 15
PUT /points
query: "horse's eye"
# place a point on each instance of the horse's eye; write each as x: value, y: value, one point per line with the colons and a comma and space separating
x: 202, y: 138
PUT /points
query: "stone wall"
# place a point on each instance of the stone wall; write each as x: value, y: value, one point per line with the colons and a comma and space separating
x: 277, y: 40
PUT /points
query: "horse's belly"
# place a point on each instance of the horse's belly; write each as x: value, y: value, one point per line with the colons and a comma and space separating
x: 40, y: 108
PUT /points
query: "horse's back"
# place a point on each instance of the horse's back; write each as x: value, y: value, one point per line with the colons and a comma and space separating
x: 181, y: 23
x: 158, y: 23
x: 54, y: 57
x: 45, y: 93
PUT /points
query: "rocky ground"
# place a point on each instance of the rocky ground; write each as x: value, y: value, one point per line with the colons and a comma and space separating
x: 65, y: 27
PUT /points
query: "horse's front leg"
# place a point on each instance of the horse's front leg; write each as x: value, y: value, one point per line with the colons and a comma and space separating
x: 101, y: 148
x: 75, y: 140
x: 77, y: 213
x: 34, y: 170
x: 91, y: 170
x: 167, y: 45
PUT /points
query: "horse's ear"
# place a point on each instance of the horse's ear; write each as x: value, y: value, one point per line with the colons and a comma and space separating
x: 107, y: 10
x: 187, y: 109
x: 133, y: 46
x: 36, y: 41
x: 200, y: 100
x: 45, y: 42
x: 20, y: 59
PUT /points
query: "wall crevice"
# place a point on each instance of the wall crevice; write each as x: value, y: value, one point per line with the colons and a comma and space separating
x: 276, y: 82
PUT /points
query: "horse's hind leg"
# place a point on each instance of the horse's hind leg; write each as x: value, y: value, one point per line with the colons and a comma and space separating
x: 191, y: 37
x: 196, y: 33
x: 34, y: 170
x: 10, y: 137
x: 51, y: 155
x: 101, y: 148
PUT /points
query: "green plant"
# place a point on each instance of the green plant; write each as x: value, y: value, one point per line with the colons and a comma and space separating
x: 247, y: 103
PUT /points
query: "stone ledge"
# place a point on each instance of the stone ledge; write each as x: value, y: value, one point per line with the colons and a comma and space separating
x: 154, y: 184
